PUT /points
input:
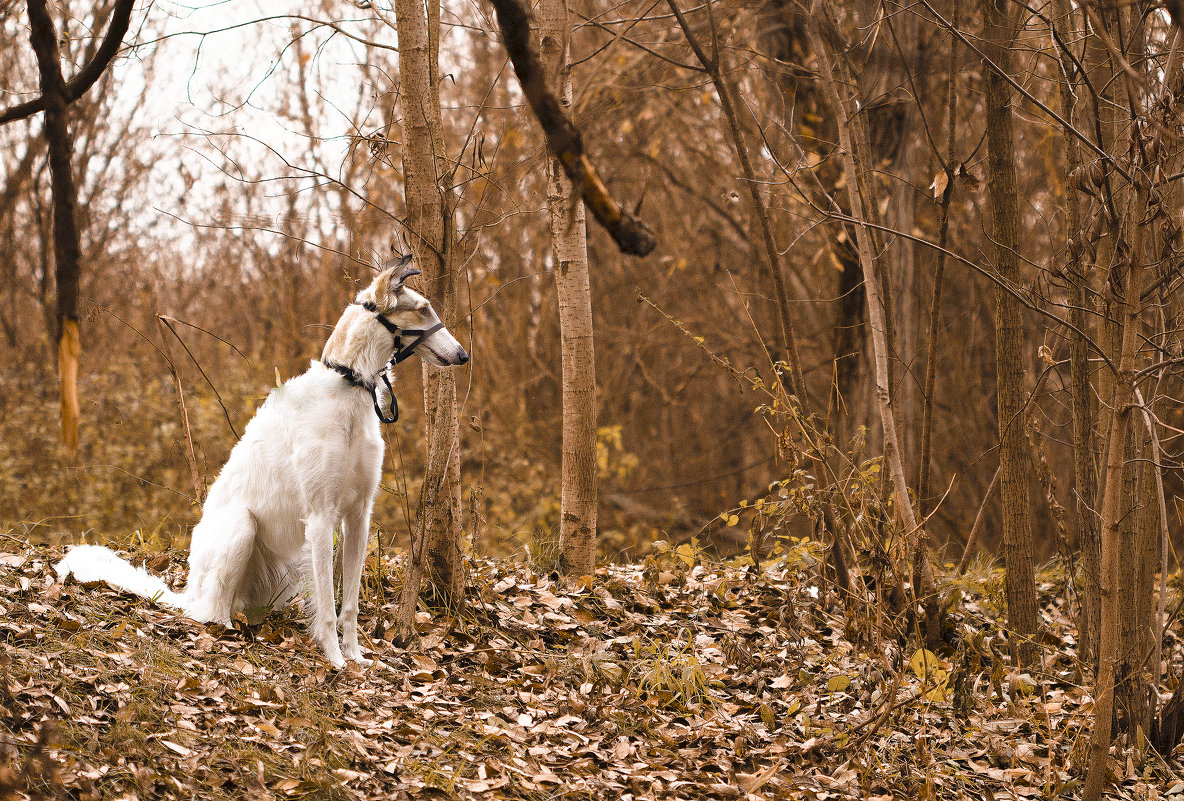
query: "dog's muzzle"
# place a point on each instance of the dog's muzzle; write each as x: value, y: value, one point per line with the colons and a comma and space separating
x: 405, y: 352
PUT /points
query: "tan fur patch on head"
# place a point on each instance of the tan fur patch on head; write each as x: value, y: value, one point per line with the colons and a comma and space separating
x: 384, y: 291
x: 379, y: 291
x: 381, y: 285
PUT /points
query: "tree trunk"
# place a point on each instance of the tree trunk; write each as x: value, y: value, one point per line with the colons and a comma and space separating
x: 808, y: 117
x: 66, y: 244
x: 1107, y: 118
x: 436, y: 542
x: 1084, y: 442
x: 1005, y: 232
x: 1158, y: 545
x: 822, y: 29
x: 1133, y: 691
x: 569, y: 246
x: 1112, y: 509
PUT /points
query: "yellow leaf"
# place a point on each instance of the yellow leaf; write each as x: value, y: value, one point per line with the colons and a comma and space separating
x: 923, y: 663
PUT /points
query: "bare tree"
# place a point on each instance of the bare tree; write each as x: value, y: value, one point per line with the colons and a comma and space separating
x: 1084, y: 408
x: 1117, y: 469
x: 569, y: 248
x: 56, y: 95
x: 436, y: 552
x: 823, y: 36
x: 1005, y: 227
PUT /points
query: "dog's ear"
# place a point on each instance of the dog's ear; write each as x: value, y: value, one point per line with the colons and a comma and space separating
x: 395, y: 272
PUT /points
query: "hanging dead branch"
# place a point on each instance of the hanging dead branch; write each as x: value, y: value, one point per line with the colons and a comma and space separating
x: 563, y: 137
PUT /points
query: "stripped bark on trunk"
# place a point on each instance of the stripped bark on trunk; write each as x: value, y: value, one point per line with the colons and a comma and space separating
x: 67, y: 249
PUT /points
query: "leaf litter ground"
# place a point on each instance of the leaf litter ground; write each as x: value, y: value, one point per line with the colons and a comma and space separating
x: 673, y: 679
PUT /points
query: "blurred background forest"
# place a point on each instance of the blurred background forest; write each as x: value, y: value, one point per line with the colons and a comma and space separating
x: 240, y: 170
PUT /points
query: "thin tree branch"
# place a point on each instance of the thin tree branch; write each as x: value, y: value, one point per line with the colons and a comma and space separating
x: 77, y: 86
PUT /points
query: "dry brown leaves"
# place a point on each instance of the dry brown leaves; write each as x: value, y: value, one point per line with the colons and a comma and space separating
x: 668, y: 680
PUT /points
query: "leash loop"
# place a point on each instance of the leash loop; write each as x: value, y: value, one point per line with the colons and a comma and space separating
x: 394, y: 404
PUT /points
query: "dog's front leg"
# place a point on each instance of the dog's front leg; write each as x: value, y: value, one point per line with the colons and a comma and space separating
x: 355, y: 533
x: 319, y: 533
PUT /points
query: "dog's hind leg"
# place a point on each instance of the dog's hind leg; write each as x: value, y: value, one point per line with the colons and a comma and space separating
x: 218, y: 559
x: 355, y: 533
x: 323, y: 629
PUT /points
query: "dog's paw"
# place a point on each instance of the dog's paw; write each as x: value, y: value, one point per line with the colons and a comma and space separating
x: 359, y: 659
x: 332, y: 652
x: 353, y: 652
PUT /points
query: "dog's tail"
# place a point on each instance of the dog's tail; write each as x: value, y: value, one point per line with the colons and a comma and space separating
x: 90, y: 563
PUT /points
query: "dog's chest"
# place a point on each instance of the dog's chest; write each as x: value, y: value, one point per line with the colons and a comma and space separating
x: 363, y: 442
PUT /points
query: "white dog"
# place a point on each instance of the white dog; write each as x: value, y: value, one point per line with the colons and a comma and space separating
x: 310, y: 460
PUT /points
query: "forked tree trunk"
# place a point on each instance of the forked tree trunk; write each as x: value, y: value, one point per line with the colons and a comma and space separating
x: 436, y: 542
x: 1112, y: 509
x: 569, y: 245
x: 822, y: 29
x: 1005, y: 232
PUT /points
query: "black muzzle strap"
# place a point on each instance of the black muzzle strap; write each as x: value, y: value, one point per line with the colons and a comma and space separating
x: 404, y: 352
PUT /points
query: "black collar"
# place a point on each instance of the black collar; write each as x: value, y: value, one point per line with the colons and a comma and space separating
x: 350, y: 375
x: 354, y: 380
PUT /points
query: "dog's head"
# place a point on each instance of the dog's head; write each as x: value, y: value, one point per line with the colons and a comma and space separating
x: 410, y: 311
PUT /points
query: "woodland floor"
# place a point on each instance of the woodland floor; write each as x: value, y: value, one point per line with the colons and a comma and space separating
x: 673, y: 679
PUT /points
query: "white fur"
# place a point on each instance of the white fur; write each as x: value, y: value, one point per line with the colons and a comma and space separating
x: 309, y: 461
